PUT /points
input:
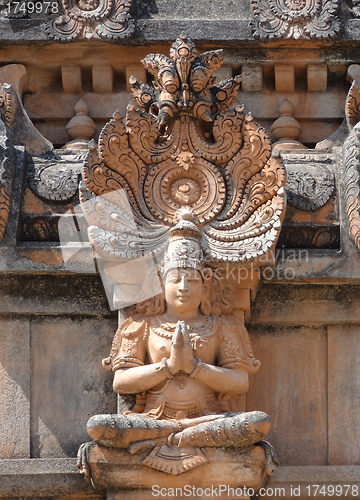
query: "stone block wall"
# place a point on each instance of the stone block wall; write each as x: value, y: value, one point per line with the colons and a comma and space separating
x: 51, y: 378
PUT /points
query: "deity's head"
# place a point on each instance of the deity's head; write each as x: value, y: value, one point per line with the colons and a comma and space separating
x: 187, y: 284
x: 184, y: 290
x: 182, y: 270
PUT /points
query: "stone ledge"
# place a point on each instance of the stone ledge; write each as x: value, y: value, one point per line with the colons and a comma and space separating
x: 305, y: 304
x: 52, y: 294
x: 50, y: 477
x: 45, y: 477
x: 35, y: 257
x: 303, y: 477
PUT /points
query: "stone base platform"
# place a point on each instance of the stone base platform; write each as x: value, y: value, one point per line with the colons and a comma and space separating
x: 45, y: 478
x: 124, y: 475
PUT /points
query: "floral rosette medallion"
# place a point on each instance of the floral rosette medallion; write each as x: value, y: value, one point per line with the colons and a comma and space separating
x: 312, y: 19
x: 92, y: 19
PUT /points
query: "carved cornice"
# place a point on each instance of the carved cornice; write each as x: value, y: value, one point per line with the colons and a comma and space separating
x: 108, y: 19
x: 312, y: 19
x: 182, y: 147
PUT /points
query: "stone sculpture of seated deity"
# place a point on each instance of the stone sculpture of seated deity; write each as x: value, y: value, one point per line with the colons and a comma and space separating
x: 183, y: 364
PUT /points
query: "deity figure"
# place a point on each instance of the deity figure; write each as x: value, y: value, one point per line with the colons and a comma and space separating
x: 201, y: 185
x: 184, y: 364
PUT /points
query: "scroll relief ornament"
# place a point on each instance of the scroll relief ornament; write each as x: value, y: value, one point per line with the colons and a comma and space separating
x: 15, y: 129
x: 311, y: 19
x: 310, y: 179
x: 108, y: 19
x: 352, y: 154
x: 181, y: 148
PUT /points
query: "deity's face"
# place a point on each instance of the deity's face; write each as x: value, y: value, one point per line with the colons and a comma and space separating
x: 183, y: 290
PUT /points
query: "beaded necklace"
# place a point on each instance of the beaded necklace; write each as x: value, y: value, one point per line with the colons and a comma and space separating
x: 198, y: 334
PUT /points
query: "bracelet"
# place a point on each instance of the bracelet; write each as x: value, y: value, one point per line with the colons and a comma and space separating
x: 199, y: 366
x: 164, y: 367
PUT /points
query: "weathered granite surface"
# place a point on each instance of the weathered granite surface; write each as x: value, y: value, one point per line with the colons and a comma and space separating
x: 160, y: 20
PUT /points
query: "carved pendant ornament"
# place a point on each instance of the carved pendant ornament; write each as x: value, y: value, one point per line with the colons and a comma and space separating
x: 182, y: 148
x: 108, y: 19
x: 313, y: 19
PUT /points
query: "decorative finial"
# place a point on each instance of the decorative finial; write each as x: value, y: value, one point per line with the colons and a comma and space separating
x: 286, y: 128
x: 81, y: 128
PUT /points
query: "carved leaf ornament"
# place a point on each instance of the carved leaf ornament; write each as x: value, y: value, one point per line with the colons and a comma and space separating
x: 352, y: 182
x: 181, y: 148
x: 7, y: 156
x: 312, y: 19
x: 352, y: 157
x: 108, y: 19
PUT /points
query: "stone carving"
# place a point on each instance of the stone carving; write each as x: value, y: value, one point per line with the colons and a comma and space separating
x: 352, y: 182
x: 352, y: 106
x: 309, y: 236
x: 202, y: 187
x: 16, y: 129
x: 7, y: 172
x: 14, y: 75
x: 355, y: 7
x: 109, y: 19
x: 286, y: 128
x: 40, y: 228
x: 351, y: 154
x: 313, y: 19
x: 178, y: 358
x: 21, y: 131
x: 181, y: 147
x: 310, y: 179
x: 45, y: 227
x: 81, y: 128
x: 55, y: 177
x: 309, y: 188
x: 180, y: 401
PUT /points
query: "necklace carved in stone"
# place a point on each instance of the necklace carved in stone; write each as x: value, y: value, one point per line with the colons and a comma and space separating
x: 198, y: 334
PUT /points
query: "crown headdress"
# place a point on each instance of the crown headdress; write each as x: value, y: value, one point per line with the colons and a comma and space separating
x: 184, y: 250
